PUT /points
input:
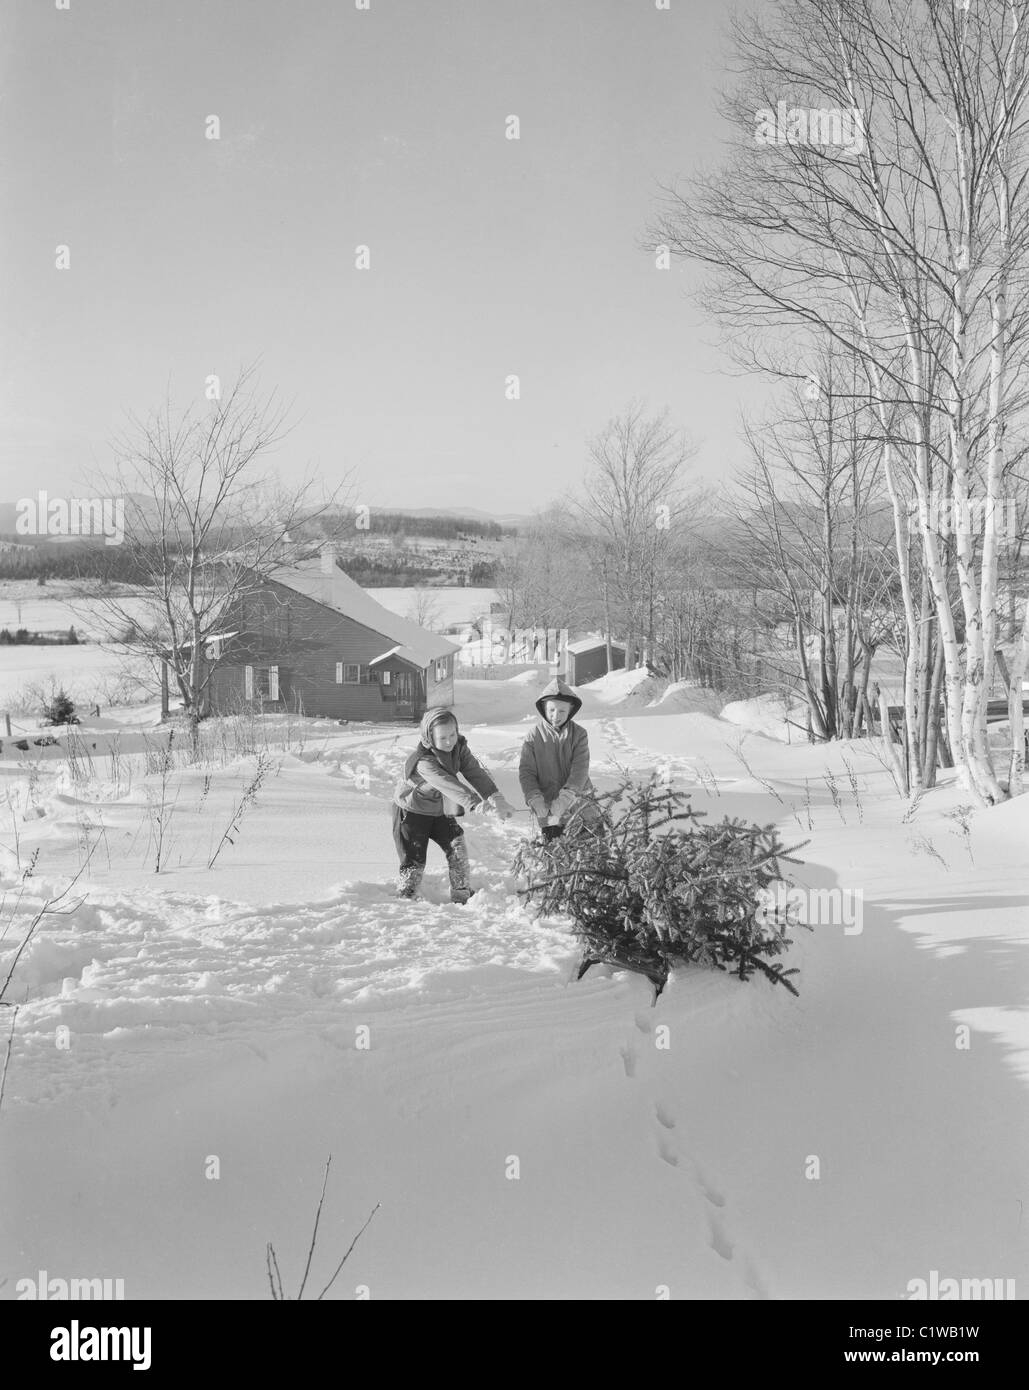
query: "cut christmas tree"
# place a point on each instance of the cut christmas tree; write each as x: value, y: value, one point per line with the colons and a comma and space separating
x: 651, y: 887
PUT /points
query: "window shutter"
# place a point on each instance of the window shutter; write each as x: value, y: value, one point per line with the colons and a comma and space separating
x: 248, y: 679
x: 339, y: 673
x: 273, y: 682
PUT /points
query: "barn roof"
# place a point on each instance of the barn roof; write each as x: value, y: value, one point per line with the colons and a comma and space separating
x: 339, y: 592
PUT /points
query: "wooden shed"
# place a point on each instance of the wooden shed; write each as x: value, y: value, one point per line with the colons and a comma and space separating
x: 587, y: 659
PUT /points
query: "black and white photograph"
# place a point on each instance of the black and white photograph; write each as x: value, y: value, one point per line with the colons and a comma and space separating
x: 514, y: 662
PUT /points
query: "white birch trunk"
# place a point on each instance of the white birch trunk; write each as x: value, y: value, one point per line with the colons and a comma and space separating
x: 1019, y: 660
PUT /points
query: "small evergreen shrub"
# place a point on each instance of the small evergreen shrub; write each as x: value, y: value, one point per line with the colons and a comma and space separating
x: 59, y: 709
x: 652, y: 887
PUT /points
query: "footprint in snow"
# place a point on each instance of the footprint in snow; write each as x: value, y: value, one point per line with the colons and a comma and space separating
x: 720, y: 1242
x: 719, y: 1236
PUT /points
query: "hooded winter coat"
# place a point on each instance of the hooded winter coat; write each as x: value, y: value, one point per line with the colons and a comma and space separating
x: 430, y: 783
x: 555, y: 760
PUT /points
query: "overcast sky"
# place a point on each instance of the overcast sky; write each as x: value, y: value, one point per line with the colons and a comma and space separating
x: 342, y: 127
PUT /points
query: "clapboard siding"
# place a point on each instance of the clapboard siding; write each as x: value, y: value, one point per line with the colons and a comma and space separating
x: 305, y: 640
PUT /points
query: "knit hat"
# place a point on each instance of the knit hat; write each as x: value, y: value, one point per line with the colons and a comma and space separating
x: 439, y: 714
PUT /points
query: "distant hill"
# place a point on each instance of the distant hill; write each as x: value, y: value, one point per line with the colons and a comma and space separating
x: 472, y: 513
x: 138, y: 503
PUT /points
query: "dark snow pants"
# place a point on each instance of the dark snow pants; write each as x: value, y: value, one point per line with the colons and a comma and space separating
x: 412, y: 833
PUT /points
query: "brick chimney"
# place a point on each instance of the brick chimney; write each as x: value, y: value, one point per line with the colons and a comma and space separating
x: 328, y: 553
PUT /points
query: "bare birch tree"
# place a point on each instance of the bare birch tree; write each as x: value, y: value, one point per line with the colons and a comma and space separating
x: 906, y: 243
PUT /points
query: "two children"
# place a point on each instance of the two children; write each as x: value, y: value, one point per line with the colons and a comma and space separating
x: 553, y: 772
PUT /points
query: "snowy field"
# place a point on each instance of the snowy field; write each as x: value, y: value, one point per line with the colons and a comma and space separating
x: 192, y: 1044
x: 54, y: 609
x: 451, y: 603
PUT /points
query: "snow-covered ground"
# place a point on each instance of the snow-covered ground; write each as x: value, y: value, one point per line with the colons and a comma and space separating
x: 447, y: 603
x: 54, y: 608
x: 192, y: 1044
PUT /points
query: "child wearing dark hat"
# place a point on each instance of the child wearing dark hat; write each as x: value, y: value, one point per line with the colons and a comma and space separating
x: 554, y: 767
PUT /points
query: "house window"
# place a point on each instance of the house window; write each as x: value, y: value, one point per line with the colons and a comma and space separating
x: 386, y: 677
x: 354, y: 673
x: 261, y: 682
x: 442, y: 669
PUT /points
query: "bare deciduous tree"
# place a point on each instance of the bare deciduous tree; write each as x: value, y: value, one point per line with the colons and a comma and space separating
x: 809, y: 526
x: 426, y: 609
x: 631, y: 515
x: 205, y: 518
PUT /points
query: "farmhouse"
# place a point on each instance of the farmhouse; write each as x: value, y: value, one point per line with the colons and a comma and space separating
x: 307, y: 638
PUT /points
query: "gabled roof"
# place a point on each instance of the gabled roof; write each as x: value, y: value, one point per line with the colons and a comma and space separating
x: 340, y: 593
x: 587, y: 644
x: 401, y: 653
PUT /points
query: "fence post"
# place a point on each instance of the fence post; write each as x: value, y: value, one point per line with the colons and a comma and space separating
x: 7, y: 723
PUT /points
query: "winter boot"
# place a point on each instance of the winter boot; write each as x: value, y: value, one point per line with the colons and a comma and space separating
x: 457, y: 861
x: 409, y: 881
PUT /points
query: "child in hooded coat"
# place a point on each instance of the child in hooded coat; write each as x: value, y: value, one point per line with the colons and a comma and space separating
x: 428, y: 799
x: 554, y: 767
